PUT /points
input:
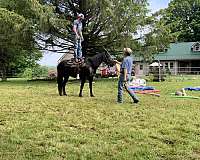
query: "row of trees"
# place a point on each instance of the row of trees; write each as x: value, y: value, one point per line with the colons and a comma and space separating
x: 29, y: 26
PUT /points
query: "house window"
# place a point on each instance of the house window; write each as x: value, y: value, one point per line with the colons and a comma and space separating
x: 196, y: 47
x: 141, y: 67
x: 166, y: 65
x: 171, y: 65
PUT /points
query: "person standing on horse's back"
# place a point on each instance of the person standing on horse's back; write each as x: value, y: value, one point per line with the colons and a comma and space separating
x: 77, y: 29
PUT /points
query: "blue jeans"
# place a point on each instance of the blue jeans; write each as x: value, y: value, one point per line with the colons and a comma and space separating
x: 77, y: 49
x: 120, y: 89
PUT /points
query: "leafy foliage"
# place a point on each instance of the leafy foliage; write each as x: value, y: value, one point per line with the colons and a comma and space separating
x: 15, y: 31
x: 19, y: 21
x: 35, y: 72
x: 182, y: 18
x: 17, y: 42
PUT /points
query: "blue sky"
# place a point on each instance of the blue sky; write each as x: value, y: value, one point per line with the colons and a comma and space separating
x: 155, y: 5
x: 50, y: 59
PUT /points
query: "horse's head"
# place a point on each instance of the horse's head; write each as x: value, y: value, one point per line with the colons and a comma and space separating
x: 108, y: 59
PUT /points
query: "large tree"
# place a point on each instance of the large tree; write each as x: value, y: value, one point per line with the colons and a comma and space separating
x: 107, y: 23
x: 183, y: 19
x: 19, y: 22
x: 110, y: 23
x: 15, y: 40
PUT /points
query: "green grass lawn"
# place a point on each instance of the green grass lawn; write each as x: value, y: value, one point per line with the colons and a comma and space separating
x: 36, y: 123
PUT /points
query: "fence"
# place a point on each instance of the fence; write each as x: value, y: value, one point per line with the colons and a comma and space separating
x: 179, y: 71
x: 169, y: 71
x: 51, y: 74
x: 188, y: 70
x: 10, y: 74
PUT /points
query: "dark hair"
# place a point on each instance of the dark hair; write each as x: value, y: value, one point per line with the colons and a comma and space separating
x: 127, y: 54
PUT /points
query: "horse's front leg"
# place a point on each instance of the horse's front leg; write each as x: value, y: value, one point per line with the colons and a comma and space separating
x: 90, y: 85
x: 64, y: 84
x: 81, y: 87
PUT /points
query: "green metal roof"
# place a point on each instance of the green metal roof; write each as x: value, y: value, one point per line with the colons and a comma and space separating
x: 179, y: 51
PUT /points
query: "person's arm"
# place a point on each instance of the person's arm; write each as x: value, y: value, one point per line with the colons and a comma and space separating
x: 117, y: 62
x: 81, y: 36
x: 125, y: 74
x: 75, y: 31
x: 124, y: 69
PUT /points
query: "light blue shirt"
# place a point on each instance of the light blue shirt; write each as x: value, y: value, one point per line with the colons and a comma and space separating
x: 78, y: 25
x: 127, y: 63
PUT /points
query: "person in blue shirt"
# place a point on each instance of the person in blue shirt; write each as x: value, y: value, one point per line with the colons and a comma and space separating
x: 125, y: 76
x: 77, y: 29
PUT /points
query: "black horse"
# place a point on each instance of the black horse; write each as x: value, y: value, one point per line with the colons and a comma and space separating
x: 87, y: 70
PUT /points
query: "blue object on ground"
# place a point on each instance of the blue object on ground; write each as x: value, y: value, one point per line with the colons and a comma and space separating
x: 141, y: 88
x: 192, y: 88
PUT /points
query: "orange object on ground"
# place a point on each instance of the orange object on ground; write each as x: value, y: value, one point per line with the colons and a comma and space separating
x: 153, y: 94
x: 148, y: 91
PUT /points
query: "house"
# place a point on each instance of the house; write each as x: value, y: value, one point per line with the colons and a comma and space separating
x: 67, y: 56
x: 179, y: 58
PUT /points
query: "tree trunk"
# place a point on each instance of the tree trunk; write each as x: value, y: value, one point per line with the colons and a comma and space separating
x: 3, y: 65
x: 3, y: 74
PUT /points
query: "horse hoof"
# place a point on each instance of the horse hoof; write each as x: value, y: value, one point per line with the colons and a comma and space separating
x: 65, y: 94
x: 80, y: 95
x: 92, y: 96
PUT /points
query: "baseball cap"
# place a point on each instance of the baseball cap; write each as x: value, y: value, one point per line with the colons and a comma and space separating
x: 81, y: 15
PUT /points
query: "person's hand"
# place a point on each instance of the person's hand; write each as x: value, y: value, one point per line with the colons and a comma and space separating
x: 77, y: 37
x: 82, y: 39
x: 125, y: 81
x: 115, y: 61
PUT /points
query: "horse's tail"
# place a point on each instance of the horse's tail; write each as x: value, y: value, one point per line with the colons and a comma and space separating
x: 59, y: 78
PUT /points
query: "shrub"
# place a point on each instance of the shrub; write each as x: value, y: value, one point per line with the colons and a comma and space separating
x: 52, y: 74
x: 35, y: 72
x: 28, y: 73
x: 40, y: 72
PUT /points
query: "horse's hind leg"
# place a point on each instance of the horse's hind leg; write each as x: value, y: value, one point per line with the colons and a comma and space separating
x: 81, y: 87
x: 64, y: 84
x: 90, y: 85
x: 60, y: 81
